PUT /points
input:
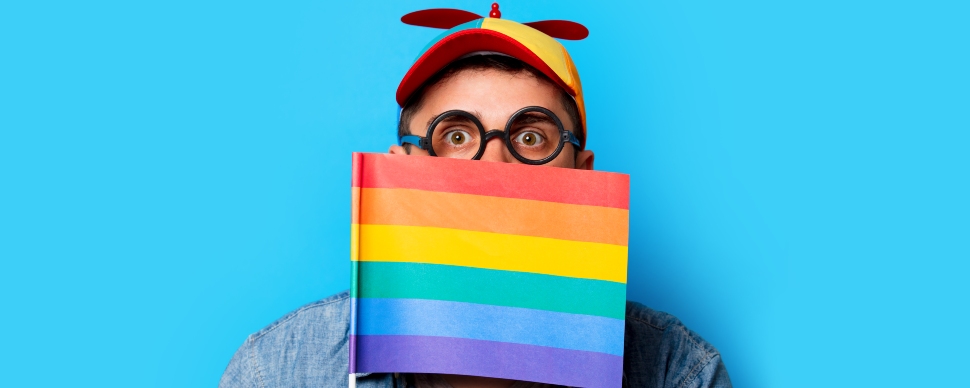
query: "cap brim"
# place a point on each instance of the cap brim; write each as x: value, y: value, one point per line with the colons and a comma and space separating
x: 456, y: 45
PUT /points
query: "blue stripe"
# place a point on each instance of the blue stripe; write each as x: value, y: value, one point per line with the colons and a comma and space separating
x: 423, y: 317
x: 353, y: 317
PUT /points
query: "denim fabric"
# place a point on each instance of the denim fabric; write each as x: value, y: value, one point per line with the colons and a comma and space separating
x: 308, y: 348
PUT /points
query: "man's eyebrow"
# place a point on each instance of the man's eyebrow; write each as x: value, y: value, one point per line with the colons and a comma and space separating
x: 534, y: 117
x: 435, y: 117
x: 432, y: 119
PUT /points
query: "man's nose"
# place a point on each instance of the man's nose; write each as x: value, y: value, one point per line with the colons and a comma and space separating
x: 495, y: 151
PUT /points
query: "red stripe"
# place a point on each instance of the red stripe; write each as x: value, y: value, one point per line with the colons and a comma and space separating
x: 358, y: 161
x: 542, y: 183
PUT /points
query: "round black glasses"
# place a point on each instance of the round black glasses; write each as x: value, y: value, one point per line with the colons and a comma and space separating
x: 533, y: 135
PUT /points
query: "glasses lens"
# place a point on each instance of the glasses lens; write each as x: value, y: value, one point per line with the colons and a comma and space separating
x: 534, y: 135
x: 456, y: 136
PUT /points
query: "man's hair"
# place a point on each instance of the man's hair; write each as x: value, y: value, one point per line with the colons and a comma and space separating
x: 486, y: 62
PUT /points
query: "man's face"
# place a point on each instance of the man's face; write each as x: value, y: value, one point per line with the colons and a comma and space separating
x: 493, y: 96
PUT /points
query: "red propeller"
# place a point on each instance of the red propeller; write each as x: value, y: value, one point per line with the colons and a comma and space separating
x: 562, y: 29
x: 439, y: 18
x: 446, y: 18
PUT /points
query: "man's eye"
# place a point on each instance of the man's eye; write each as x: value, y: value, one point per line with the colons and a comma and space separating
x: 458, y: 137
x: 529, y: 138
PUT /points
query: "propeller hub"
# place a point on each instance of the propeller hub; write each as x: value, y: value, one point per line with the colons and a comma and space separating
x: 495, y: 13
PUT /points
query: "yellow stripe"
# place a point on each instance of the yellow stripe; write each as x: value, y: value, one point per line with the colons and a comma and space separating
x: 354, y: 242
x: 420, y: 244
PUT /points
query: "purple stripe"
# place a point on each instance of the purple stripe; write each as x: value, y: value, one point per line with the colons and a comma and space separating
x: 423, y: 354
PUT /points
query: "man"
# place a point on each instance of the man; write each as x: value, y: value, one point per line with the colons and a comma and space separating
x: 464, y: 98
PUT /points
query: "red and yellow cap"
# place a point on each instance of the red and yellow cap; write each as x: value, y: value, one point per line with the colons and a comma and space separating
x: 533, y: 43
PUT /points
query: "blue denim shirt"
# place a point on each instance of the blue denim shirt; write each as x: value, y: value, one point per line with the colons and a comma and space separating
x: 308, y: 348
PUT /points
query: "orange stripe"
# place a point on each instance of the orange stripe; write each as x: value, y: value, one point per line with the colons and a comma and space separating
x: 480, y: 213
x: 355, y: 205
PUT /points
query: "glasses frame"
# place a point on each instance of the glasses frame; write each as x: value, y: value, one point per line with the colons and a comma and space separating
x: 565, y: 135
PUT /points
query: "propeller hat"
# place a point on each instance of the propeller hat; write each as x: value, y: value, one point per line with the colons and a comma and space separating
x: 467, y: 33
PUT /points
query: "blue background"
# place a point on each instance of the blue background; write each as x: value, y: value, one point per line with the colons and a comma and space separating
x: 174, y: 175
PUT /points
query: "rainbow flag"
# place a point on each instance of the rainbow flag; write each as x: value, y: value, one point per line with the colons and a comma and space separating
x: 488, y: 269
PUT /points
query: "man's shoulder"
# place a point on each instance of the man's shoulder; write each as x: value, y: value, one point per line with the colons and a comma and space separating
x: 660, y: 351
x: 329, y: 317
x: 311, y: 344
x: 303, y: 348
x: 647, y: 319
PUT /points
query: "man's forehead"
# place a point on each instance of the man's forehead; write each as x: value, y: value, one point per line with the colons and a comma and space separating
x: 491, y: 94
x: 465, y: 77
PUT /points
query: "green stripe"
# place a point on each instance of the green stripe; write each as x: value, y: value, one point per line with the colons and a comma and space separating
x: 354, y: 269
x: 493, y: 287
